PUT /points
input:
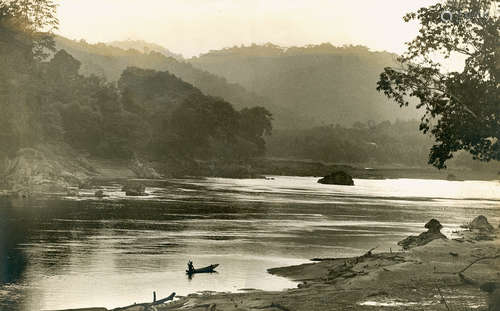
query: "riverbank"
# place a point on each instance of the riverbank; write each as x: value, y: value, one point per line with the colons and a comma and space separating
x: 442, y: 275
x: 60, y: 169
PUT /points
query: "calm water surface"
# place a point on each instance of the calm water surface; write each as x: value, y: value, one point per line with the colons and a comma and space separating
x: 80, y: 252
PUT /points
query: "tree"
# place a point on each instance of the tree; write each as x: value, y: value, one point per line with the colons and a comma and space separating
x: 191, y: 125
x: 25, y: 40
x: 35, y: 20
x: 255, y: 123
x: 462, y: 108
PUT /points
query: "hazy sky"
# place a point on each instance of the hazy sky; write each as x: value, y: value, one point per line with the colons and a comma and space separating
x: 191, y: 27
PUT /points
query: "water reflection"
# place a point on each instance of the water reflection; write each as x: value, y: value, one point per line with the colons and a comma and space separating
x: 80, y: 252
x: 12, y: 260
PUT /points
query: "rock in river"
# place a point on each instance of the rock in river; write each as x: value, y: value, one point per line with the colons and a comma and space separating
x: 337, y: 178
x: 134, y: 189
x: 99, y: 194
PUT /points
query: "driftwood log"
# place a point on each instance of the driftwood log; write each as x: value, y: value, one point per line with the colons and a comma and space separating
x: 148, y: 305
x: 158, y: 302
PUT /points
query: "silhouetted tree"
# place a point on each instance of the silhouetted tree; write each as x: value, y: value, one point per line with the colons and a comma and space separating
x: 462, y: 108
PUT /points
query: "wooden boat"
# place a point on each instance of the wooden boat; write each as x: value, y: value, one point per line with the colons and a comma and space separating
x: 207, y: 269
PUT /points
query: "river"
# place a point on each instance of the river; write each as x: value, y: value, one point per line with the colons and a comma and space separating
x: 74, y: 252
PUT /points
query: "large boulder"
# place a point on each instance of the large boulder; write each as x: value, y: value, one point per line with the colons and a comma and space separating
x: 433, y: 232
x: 337, y: 178
x: 481, y: 223
x: 134, y: 189
x: 433, y: 226
x: 479, y: 229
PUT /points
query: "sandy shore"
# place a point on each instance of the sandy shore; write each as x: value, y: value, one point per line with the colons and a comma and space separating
x: 442, y: 275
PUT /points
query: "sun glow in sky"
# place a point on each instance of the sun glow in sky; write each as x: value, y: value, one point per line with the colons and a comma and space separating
x: 191, y: 27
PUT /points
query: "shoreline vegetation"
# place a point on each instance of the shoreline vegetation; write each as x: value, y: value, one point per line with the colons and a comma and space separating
x: 54, y: 169
x: 444, y: 273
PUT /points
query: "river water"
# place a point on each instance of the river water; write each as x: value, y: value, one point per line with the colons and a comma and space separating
x: 76, y: 252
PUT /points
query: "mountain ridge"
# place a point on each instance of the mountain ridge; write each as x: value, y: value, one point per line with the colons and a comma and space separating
x: 145, y: 47
x: 330, y: 84
x: 109, y: 62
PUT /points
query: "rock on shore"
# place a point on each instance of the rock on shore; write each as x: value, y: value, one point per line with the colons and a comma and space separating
x: 481, y: 228
x: 433, y: 232
x: 481, y: 223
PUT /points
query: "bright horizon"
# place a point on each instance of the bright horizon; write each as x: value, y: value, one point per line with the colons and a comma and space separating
x: 193, y: 27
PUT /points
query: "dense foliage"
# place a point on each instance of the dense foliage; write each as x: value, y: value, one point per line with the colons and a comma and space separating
x: 462, y: 108
x: 180, y: 121
x: 368, y: 143
x: 108, y: 61
x: 301, y: 86
x: 149, y: 112
x: 24, y: 40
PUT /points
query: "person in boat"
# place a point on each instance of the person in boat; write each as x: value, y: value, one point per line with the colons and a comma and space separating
x: 190, y: 266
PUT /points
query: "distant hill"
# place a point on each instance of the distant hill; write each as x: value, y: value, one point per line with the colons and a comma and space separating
x: 321, y: 83
x: 301, y: 86
x: 109, y: 62
x: 146, y: 47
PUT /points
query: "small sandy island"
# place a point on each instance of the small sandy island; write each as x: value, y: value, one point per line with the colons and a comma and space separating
x: 434, y: 273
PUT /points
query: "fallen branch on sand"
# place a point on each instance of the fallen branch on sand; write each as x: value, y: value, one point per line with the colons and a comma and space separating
x: 147, y: 305
x: 476, y: 261
x: 345, y: 270
x: 469, y: 265
x: 367, y: 254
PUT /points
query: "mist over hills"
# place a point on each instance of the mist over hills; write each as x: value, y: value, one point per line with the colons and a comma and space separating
x: 301, y: 86
x: 307, y: 89
x: 109, y: 62
x: 146, y: 47
x: 321, y: 83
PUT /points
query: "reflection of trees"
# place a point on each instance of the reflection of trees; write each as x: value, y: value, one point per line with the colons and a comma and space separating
x: 62, y: 234
x: 12, y: 260
x: 49, y: 227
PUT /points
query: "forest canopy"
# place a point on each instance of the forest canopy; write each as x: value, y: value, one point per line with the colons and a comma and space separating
x: 45, y: 99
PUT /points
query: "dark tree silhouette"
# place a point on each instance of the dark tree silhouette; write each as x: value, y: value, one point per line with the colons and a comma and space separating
x: 462, y: 108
